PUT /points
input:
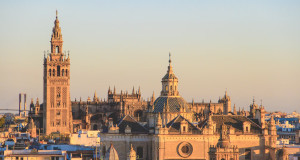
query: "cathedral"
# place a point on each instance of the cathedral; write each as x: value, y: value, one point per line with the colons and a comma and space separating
x: 163, y: 128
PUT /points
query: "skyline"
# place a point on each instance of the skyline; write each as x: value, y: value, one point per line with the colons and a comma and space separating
x: 259, y: 60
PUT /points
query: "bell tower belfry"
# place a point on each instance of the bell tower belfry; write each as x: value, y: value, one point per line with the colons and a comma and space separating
x: 57, y: 114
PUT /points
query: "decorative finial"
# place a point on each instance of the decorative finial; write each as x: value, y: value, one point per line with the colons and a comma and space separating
x: 56, y: 13
x: 253, y: 99
x: 170, y: 57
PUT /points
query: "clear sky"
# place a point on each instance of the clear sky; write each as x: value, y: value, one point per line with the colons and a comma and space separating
x: 249, y: 47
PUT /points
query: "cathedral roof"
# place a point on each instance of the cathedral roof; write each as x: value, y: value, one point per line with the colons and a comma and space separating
x: 174, y: 104
x: 132, y: 123
x: 174, y: 125
x: 235, y: 121
x: 111, y: 153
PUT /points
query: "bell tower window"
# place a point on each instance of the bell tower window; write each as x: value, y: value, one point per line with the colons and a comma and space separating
x: 58, y: 70
x: 57, y: 49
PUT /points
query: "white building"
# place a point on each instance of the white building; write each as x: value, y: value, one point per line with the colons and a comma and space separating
x: 86, y: 138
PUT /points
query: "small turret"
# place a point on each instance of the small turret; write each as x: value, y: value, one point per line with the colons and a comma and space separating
x: 234, y: 110
x: 109, y: 91
x: 133, y: 90
x: 95, y: 99
x: 132, y: 154
x: 111, y: 153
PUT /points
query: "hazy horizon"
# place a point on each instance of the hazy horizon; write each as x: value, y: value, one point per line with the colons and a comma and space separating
x: 250, y: 48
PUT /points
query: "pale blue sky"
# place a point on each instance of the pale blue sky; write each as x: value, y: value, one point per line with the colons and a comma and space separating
x: 249, y: 47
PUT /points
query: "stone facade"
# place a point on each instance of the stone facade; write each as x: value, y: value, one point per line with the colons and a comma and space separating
x: 57, y: 115
x: 172, y: 132
x: 165, y: 128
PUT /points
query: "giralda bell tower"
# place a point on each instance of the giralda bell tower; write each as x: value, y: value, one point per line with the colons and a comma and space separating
x: 57, y: 103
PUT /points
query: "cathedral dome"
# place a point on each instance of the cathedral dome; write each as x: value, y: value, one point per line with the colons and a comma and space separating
x: 173, y: 104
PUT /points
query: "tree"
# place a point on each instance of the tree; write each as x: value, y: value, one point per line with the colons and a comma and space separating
x: 2, y: 121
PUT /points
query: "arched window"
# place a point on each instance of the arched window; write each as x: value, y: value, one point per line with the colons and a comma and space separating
x: 166, y: 87
x: 62, y: 72
x: 53, y: 72
x: 139, y: 152
x: 66, y: 72
x: 49, y: 72
x: 247, y: 129
x: 57, y: 49
x: 171, y: 87
x: 58, y: 71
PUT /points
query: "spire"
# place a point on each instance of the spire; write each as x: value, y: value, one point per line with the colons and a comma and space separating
x: 139, y: 90
x: 159, y: 121
x: 109, y: 89
x: 37, y: 101
x: 153, y: 97
x: 132, y: 154
x: 95, y: 97
x: 170, y: 59
x: 170, y: 69
x: 234, y: 110
x: 56, y: 39
x: 133, y: 90
x: 114, y: 90
x: 95, y: 94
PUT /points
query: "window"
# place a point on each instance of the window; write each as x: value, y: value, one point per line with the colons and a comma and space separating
x: 171, y: 87
x: 63, y: 72
x: 58, y: 70
x: 184, y: 129
x: 139, y: 152
x: 49, y: 72
x: 185, y: 149
x: 57, y: 49
x: 66, y: 72
x: 53, y: 72
x: 247, y: 129
x: 166, y: 88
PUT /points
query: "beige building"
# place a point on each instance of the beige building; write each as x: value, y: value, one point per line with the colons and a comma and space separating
x: 172, y: 132
x: 35, y: 155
